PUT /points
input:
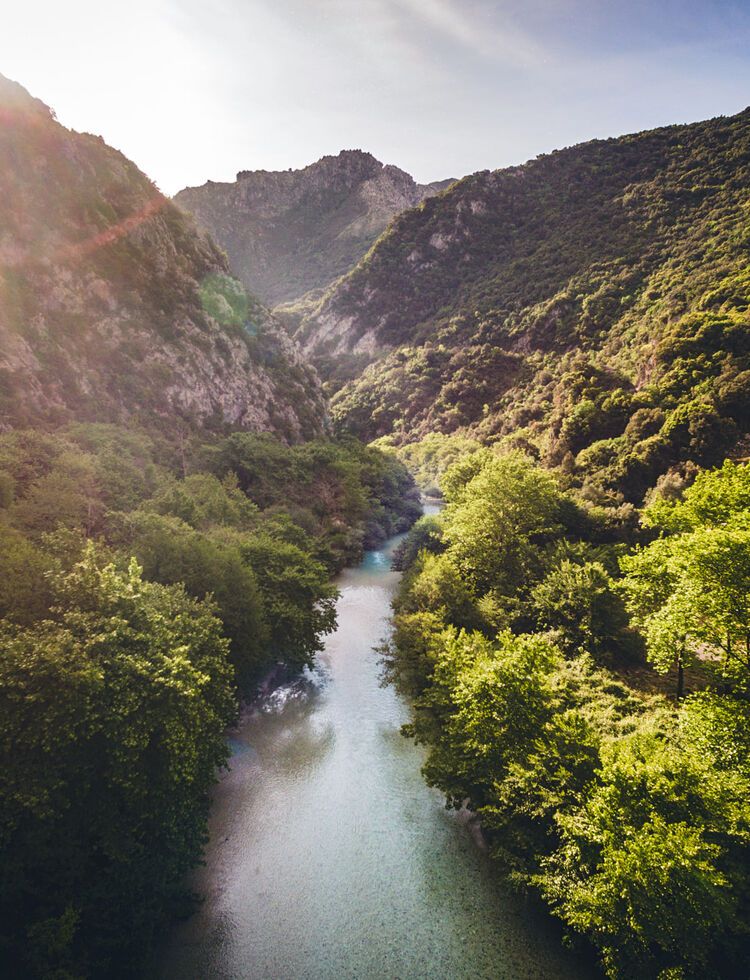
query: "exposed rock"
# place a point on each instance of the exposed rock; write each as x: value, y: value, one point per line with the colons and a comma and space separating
x: 113, y: 306
x: 289, y: 232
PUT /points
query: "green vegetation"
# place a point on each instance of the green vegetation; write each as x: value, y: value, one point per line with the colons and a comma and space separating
x: 590, y: 308
x: 225, y: 300
x: 114, y: 708
x: 429, y: 458
x: 522, y: 629
x: 114, y: 307
x: 144, y: 588
x: 561, y: 349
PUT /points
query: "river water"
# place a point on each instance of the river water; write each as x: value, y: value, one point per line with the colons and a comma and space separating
x: 330, y: 858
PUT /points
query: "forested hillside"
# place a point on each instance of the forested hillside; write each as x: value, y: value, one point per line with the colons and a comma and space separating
x: 295, y: 231
x: 114, y: 307
x: 590, y: 307
x: 561, y: 349
x: 171, y: 519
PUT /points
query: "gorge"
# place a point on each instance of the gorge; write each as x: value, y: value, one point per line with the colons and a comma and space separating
x: 227, y: 629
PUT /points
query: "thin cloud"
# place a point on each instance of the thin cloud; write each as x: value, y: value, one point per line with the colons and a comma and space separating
x: 465, y: 24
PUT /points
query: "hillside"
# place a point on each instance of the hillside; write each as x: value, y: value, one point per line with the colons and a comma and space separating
x: 289, y: 232
x: 114, y: 307
x: 590, y: 306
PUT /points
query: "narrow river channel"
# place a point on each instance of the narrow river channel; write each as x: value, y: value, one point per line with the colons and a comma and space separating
x: 330, y: 858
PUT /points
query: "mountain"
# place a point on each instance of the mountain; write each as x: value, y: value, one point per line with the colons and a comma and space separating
x: 292, y: 231
x: 590, y: 306
x: 113, y: 306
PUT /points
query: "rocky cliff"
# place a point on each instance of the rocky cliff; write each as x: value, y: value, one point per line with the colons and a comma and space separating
x: 289, y: 232
x: 113, y: 306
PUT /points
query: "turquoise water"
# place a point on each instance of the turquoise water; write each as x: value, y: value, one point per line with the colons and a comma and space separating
x: 330, y: 858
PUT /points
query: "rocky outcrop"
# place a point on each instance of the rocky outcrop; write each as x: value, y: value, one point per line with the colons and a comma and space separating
x: 289, y: 232
x: 114, y: 306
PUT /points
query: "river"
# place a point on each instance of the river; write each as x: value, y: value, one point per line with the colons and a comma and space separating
x: 330, y: 858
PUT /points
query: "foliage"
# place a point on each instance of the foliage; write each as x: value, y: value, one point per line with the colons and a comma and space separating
x: 114, y: 712
x: 225, y: 300
x: 298, y: 600
x: 689, y: 590
x: 629, y: 813
x: 590, y: 307
x: 119, y: 679
x: 580, y: 603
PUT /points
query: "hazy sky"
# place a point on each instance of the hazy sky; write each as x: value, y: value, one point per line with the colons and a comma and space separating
x: 197, y: 89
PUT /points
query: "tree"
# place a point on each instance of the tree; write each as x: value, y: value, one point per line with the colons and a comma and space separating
x: 691, y: 595
x: 654, y: 589
x: 486, y: 705
x: 580, y: 602
x: 172, y: 552
x: 113, y: 718
x: 298, y: 599
x: 656, y: 901
x: 644, y: 866
x: 24, y: 590
x: 497, y: 525
x: 716, y: 498
x: 718, y: 587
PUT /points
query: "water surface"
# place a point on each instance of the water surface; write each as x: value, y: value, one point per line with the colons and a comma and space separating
x: 330, y: 858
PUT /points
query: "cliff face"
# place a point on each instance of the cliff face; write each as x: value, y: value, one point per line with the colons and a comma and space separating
x: 289, y: 232
x: 113, y: 306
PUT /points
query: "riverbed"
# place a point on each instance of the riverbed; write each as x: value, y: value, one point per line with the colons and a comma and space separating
x: 330, y: 858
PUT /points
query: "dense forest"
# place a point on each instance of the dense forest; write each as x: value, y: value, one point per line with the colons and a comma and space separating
x: 585, y: 688
x: 144, y: 589
x: 589, y: 307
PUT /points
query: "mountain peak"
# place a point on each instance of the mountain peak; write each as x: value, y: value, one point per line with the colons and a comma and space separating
x: 345, y: 160
x: 289, y: 232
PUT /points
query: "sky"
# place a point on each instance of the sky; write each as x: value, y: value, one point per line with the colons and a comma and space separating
x: 198, y: 89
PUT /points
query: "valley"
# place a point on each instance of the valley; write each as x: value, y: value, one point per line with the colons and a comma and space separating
x: 507, y: 735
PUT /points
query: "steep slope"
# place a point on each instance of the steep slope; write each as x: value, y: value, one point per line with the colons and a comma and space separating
x: 591, y: 306
x: 114, y: 307
x: 293, y: 231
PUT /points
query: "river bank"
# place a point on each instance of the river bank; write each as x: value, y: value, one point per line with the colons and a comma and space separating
x: 328, y: 855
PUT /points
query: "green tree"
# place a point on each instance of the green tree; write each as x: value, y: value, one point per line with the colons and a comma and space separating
x: 715, y: 499
x: 486, y: 704
x: 497, y: 526
x: 298, y: 599
x: 645, y: 867
x: 582, y: 605
x: 113, y: 718
x: 691, y: 595
x: 172, y: 552
x: 24, y: 590
x: 654, y: 589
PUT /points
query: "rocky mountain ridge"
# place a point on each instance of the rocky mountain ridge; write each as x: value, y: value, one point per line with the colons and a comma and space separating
x: 289, y: 232
x: 114, y: 306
